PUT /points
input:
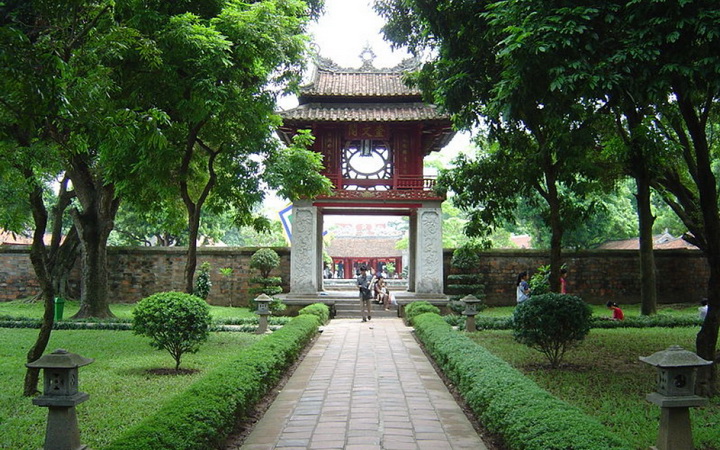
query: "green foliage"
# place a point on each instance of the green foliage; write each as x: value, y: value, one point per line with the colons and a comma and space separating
x: 552, y: 323
x: 276, y: 305
x: 320, y: 310
x: 203, y: 415
x: 465, y: 258
x: 173, y: 321
x: 295, y: 171
x: 506, y: 402
x: 203, y: 283
x: 416, y: 308
x: 540, y: 281
x: 265, y: 260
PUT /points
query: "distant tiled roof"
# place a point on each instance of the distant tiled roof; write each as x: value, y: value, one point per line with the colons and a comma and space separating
x: 660, y: 242
x: 346, y: 84
x: 364, y: 112
x: 375, y: 247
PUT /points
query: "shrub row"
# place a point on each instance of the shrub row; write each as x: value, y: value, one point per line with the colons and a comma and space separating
x: 203, y: 415
x: 505, y: 323
x: 248, y: 327
x: 647, y: 322
x: 245, y: 323
x: 504, y: 400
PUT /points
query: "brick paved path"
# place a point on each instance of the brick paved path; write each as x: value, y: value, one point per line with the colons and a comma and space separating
x: 364, y: 386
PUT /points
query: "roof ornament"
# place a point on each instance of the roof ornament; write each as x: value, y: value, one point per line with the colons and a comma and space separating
x: 367, y: 56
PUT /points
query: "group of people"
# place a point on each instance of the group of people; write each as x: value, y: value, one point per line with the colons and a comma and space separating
x: 328, y: 272
x: 523, y: 293
x: 372, y: 288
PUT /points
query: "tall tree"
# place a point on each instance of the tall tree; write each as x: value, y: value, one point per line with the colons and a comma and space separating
x: 543, y: 144
x: 655, y: 65
x: 60, y: 113
x: 222, y: 63
x: 60, y: 93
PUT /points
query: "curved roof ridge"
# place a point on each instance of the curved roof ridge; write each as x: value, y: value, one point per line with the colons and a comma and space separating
x: 328, y: 65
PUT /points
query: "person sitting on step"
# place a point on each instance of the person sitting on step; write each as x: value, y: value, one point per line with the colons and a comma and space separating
x: 382, y: 294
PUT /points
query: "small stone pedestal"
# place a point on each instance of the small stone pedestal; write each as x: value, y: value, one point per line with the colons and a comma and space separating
x: 676, y: 370
x: 263, y: 304
x: 60, y: 396
x: 470, y: 311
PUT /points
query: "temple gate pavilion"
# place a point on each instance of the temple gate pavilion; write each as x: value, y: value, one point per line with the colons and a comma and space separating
x: 373, y: 132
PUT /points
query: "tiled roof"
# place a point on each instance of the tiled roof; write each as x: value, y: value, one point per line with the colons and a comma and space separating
x: 363, y: 247
x: 348, y: 84
x: 364, y: 112
x: 660, y: 242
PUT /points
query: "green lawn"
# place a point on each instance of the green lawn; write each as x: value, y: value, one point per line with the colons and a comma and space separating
x: 121, y: 391
x: 121, y: 310
x: 604, y: 377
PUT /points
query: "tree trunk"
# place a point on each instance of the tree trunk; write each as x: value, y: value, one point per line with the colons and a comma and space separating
x: 62, y: 261
x: 93, y: 231
x: 556, y: 225
x: 191, y: 261
x: 648, y: 291
x: 638, y: 168
x: 38, y: 257
x: 706, y: 339
x: 555, y: 244
x: 93, y: 222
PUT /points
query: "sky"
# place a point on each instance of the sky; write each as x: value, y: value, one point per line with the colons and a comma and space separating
x: 347, y: 26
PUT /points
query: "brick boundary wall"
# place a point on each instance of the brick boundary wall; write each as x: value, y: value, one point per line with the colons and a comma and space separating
x: 137, y: 272
x: 598, y: 275
x: 595, y: 276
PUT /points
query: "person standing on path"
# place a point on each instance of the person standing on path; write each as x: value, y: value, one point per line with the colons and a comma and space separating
x: 364, y: 282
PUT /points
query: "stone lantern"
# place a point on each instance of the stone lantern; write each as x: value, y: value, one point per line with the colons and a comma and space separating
x: 676, y: 370
x: 470, y: 311
x: 60, y: 396
x: 263, y: 310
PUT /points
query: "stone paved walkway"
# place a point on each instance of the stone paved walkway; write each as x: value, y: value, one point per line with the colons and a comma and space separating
x: 364, y: 386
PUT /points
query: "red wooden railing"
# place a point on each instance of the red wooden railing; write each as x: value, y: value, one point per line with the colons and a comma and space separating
x: 399, y: 182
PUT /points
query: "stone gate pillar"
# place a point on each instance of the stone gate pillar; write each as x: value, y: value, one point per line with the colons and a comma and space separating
x: 428, y: 259
x: 412, y: 254
x: 306, y: 250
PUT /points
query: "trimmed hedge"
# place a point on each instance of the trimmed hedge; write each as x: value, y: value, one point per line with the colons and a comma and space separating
x: 416, y: 308
x: 321, y: 310
x: 203, y: 415
x: 247, y: 324
x: 507, y: 402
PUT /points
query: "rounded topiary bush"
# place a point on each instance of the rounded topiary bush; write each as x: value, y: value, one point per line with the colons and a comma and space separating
x: 414, y: 309
x: 174, y: 321
x: 265, y: 260
x: 552, y: 323
x: 465, y: 258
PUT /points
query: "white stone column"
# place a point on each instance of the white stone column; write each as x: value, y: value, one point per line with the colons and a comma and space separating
x: 428, y: 252
x: 412, y: 257
x: 304, y: 258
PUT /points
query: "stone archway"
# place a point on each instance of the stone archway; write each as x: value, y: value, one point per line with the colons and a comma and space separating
x: 425, y: 267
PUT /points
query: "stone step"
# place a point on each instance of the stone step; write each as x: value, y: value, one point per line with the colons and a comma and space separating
x: 346, y: 304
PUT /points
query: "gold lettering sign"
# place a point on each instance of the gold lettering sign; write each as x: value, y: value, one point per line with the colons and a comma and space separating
x: 367, y: 131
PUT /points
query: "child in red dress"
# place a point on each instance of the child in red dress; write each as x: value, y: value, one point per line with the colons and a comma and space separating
x: 617, y: 313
